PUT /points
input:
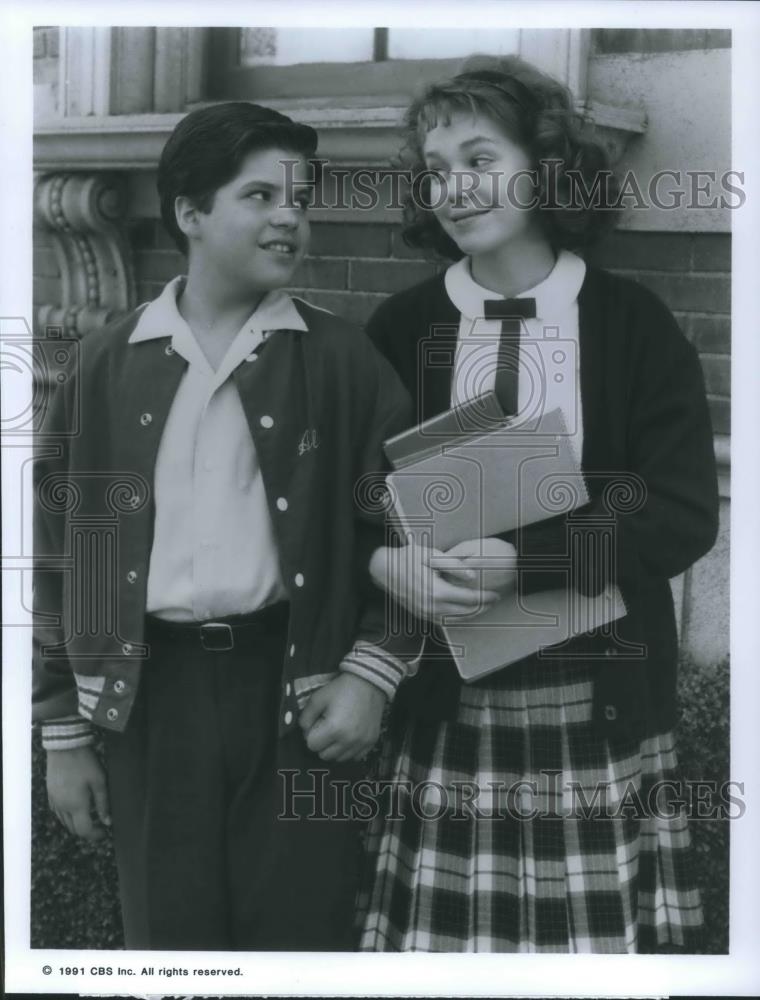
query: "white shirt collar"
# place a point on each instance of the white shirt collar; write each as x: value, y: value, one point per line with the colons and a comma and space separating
x: 556, y: 292
x: 162, y: 318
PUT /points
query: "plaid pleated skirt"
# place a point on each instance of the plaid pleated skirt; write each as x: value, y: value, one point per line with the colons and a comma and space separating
x: 516, y: 828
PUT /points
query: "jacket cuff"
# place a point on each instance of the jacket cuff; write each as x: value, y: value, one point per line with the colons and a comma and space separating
x: 373, y: 664
x: 304, y: 687
x: 67, y: 733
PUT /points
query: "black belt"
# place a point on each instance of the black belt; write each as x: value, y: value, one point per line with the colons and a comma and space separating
x: 220, y: 634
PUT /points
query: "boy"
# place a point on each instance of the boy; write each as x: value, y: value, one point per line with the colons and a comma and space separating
x: 220, y: 433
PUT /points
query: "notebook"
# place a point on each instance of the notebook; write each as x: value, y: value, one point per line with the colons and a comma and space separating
x: 518, y: 626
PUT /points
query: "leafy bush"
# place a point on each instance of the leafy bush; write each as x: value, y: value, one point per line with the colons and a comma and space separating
x: 75, y: 901
x: 704, y: 754
x: 74, y: 892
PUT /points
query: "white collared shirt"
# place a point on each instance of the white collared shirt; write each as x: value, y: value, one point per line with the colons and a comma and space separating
x: 549, y: 365
x: 214, y: 551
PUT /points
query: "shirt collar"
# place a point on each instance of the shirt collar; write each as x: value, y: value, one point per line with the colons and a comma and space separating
x: 162, y: 318
x: 556, y: 292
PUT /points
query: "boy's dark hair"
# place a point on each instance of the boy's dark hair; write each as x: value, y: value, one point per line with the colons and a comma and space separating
x: 207, y: 147
x: 537, y: 113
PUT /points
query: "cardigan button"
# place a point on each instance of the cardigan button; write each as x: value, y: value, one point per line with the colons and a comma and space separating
x: 146, y: 419
x: 266, y: 421
x: 610, y: 713
x: 292, y: 650
x: 299, y: 579
x: 288, y: 689
x: 131, y: 576
x: 288, y: 718
x: 282, y: 504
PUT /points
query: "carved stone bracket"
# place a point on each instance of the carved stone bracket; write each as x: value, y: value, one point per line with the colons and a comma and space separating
x: 83, y: 213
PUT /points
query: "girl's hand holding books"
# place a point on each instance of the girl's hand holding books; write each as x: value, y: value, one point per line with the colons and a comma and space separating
x: 494, y: 562
x: 430, y: 583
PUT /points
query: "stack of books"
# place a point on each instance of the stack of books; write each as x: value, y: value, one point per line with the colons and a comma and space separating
x: 473, y: 473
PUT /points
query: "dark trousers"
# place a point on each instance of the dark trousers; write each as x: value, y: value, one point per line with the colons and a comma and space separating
x: 204, y: 861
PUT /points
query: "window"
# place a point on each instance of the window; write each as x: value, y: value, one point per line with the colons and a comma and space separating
x: 609, y: 41
x: 367, y: 65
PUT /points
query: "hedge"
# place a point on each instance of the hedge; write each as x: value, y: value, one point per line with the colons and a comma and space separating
x: 74, y: 897
x: 704, y: 753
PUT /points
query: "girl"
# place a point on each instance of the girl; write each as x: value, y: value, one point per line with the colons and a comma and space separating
x: 551, y: 830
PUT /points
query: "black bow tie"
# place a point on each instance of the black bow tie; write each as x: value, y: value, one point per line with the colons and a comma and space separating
x: 511, y: 312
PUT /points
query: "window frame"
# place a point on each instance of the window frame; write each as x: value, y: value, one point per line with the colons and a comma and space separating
x: 368, y: 83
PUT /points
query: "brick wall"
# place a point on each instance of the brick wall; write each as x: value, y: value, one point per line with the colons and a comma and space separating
x: 353, y: 266
x: 350, y: 269
x: 691, y: 274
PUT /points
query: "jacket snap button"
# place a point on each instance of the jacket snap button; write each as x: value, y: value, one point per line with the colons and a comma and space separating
x: 266, y: 422
x: 168, y: 350
x: 288, y: 718
x: 145, y: 419
x: 112, y: 714
x: 293, y: 650
x: 282, y: 504
x: 126, y: 648
x: 288, y: 689
x: 131, y: 576
x: 610, y: 713
x: 119, y: 687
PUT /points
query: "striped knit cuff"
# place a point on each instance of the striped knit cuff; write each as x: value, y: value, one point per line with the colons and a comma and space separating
x: 67, y: 733
x: 373, y: 664
x: 304, y: 687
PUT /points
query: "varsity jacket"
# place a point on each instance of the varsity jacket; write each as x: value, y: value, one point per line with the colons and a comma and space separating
x: 318, y: 404
x: 649, y: 467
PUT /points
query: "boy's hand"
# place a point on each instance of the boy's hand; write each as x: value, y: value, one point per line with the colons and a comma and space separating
x: 76, y: 783
x: 341, y: 721
x: 410, y: 574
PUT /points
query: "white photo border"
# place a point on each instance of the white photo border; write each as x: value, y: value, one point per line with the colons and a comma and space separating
x: 395, y: 975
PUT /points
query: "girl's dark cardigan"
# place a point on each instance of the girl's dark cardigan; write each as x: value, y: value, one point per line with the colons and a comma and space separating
x: 646, y: 429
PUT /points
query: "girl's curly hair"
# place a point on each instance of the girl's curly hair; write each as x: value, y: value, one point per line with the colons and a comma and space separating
x: 535, y: 111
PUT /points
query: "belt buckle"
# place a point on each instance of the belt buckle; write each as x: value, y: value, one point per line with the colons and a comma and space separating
x: 217, y: 637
